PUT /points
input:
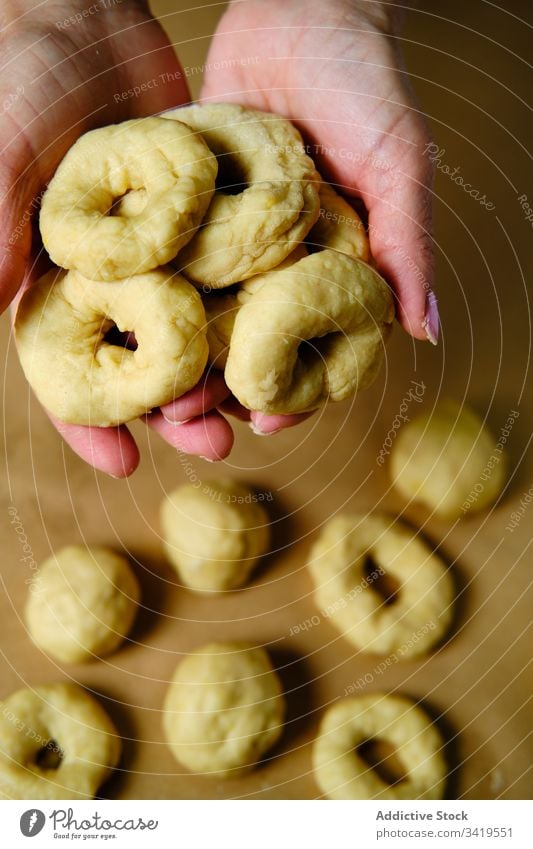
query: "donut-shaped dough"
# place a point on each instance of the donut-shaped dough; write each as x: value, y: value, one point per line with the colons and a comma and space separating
x: 314, y: 333
x: 214, y: 534
x: 82, y: 603
x: 223, y: 709
x: 348, y: 561
x: 254, y: 230
x: 447, y: 459
x: 221, y: 308
x: 64, y: 331
x: 85, y: 227
x: 338, y: 226
x: 56, y: 742
x: 342, y: 772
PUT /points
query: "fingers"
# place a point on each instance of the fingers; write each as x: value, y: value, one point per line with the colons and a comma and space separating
x: 209, y: 393
x: 209, y: 436
x: 110, y: 449
x: 401, y: 243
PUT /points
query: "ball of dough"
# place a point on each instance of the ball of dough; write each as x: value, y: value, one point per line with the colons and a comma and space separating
x: 168, y: 171
x: 353, y: 557
x: 74, y: 342
x: 254, y: 229
x: 82, y: 603
x: 343, y: 772
x: 223, y: 709
x: 56, y: 742
x: 214, y: 534
x: 446, y: 459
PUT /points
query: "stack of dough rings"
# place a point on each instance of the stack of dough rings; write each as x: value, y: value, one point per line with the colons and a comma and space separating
x: 209, y: 209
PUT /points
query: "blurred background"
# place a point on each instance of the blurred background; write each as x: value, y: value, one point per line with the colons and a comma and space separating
x: 469, y: 67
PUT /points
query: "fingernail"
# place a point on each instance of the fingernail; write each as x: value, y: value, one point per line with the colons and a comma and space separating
x: 259, y: 432
x: 207, y: 459
x: 174, y: 422
x: 431, y: 321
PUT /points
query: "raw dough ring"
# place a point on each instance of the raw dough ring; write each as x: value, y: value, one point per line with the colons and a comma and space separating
x: 214, y: 534
x: 81, y: 378
x: 224, y: 708
x: 342, y: 773
x: 338, y: 227
x: 82, y: 603
x: 254, y: 230
x: 67, y: 723
x: 169, y: 167
x: 342, y: 311
x: 346, y: 561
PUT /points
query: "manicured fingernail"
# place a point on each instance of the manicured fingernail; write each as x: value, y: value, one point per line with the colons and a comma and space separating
x: 174, y: 422
x: 431, y: 322
x: 258, y: 432
x: 207, y: 459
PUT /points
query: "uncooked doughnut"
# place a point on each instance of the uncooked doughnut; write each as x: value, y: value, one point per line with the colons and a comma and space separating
x: 342, y: 773
x: 223, y: 709
x: 254, y: 230
x: 314, y: 333
x: 62, y: 330
x: 56, y: 742
x: 338, y: 226
x: 214, y: 534
x: 82, y: 603
x: 446, y: 459
x: 83, y: 224
x: 352, y: 554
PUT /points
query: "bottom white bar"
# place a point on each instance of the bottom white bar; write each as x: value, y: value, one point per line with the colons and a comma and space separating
x: 264, y: 824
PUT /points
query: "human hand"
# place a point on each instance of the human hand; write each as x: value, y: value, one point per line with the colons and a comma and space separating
x: 335, y: 71
x: 68, y: 67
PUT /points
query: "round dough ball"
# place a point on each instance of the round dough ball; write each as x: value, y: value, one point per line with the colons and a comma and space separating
x: 82, y: 603
x: 343, y: 772
x: 446, y: 459
x: 56, y: 742
x: 214, y: 534
x: 223, y: 709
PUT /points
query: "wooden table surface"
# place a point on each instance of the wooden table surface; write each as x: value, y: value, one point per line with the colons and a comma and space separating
x: 467, y: 61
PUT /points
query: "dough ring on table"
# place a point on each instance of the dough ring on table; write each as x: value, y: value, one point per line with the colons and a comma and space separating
x: 381, y: 585
x: 338, y: 227
x: 84, y: 225
x: 223, y: 709
x: 445, y: 459
x: 56, y: 742
x: 82, y: 603
x: 214, y: 534
x: 352, y: 725
x: 252, y: 231
x: 70, y: 333
x: 313, y: 332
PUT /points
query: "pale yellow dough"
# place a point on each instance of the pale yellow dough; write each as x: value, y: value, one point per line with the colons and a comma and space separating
x: 85, y: 226
x: 352, y: 555
x: 81, y: 378
x: 81, y: 744
x: 342, y: 312
x: 224, y: 709
x: 254, y: 230
x: 446, y: 459
x: 342, y: 773
x: 214, y: 534
x: 338, y: 228
x: 82, y: 603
